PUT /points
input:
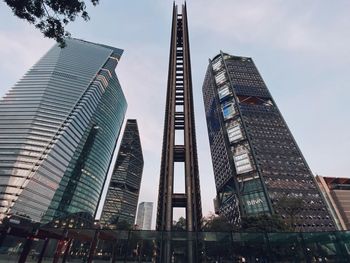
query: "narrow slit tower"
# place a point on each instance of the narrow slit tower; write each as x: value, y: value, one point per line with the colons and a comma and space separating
x: 179, y: 121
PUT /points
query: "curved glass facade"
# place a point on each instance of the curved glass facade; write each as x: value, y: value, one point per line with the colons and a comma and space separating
x: 68, y: 111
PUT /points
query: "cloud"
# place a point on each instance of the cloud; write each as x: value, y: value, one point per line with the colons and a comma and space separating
x: 284, y: 25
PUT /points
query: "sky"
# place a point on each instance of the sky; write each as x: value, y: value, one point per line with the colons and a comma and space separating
x: 301, y: 48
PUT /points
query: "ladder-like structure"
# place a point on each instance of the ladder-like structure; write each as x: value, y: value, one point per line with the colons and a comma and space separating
x: 179, y: 121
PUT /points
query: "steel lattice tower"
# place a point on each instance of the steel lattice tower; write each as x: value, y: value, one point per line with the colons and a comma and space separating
x: 179, y: 117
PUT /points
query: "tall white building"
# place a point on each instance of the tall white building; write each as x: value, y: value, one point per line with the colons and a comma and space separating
x: 144, y: 215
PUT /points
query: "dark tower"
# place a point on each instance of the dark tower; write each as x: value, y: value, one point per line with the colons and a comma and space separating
x: 179, y: 142
x: 123, y: 191
x: 179, y: 125
x: 258, y: 166
x: 179, y: 117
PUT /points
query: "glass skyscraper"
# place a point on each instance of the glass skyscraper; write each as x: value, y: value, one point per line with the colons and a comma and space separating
x: 58, y: 130
x: 258, y: 166
x: 123, y: 191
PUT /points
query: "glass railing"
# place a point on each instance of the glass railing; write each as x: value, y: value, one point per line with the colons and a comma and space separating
x: 21, y: 244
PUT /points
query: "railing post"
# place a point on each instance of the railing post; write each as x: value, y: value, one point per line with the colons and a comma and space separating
x: 93, y: 246
x: 268, y: 246
x: 26, y: 249
x: 127, y: 247
x: 28, y: 244
x: 197, y: 248
x: 114, y: 248
x: 303, y: 244
x: 159, y: 251
x: 4, y: 233
x: 59, y: 246
x: 66, y: 251
x: 231, y: 246
x: 42, y: 252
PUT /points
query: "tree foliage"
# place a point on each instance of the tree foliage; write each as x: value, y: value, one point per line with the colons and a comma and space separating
x: 263, y: 223
x: 50, y: 16
x: 115, y: 223
x: 214, y: 223
x: 123, y: 225
x: 179, y: 225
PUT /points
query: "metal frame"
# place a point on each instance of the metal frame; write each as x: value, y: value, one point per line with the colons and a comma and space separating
x: 179, y: 93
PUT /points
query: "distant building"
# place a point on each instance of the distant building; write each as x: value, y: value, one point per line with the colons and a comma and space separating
x: 216, y: 206
x: 123, y: 191
x: 336, y: 191
x: 257, y: 163
x: 144, y: 216
x: 58, y: 130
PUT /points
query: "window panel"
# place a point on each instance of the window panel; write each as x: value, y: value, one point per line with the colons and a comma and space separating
x: 217, y: 65
x: 220, y: 78
x: 224, y: 91
x: 228, y: 110
x: 234, y: 132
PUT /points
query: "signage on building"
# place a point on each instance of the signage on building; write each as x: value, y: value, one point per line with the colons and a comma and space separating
x: 254, y: 201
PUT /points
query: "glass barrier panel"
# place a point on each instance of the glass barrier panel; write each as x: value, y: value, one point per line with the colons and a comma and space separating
x: 35, y: 250
x: 76, y: 247
x: 216, y: 246
x: 143, y: 246
x: 285, y: 247
x: 343, y: 238
x: 322, y: 247
x: 50, y: 250
x: 11, y: 248
x: 250, y: 247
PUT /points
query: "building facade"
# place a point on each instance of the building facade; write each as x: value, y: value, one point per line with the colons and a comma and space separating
x: 336, y: 191
x: 257, y: 163
x: 144, y: 216
x: 58, y: 130
x: 123, y: 191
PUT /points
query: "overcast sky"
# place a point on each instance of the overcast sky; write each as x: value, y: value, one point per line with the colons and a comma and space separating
x: 301, y: 48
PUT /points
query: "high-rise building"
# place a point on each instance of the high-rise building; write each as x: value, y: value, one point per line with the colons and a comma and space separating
x: 257, y: 163
x: 123, y: 191
x: 179, y: 153
x: 144, y: 216
x: 179, y: 138
x: 336, y: 191
x: 58, y: 130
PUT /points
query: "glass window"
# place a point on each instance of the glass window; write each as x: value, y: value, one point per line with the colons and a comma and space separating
x: 234, y: 132
x: 220, y: 77
x: 242, y: 163
x: 224, y: 91
x: 242, y: 159
x: 228, y: 110
x: 217, y: 65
